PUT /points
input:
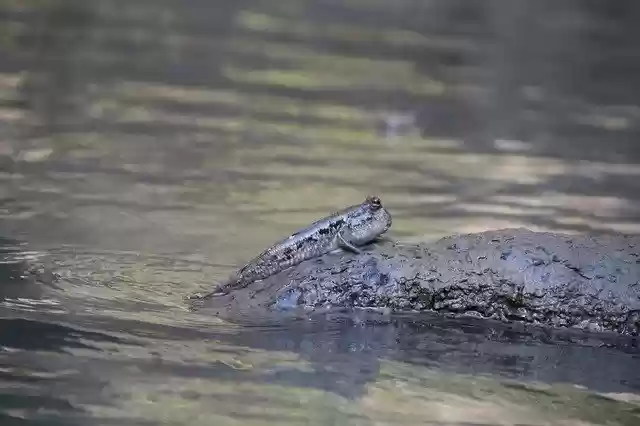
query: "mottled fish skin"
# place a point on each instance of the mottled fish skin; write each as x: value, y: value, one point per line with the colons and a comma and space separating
x: 357, y: 225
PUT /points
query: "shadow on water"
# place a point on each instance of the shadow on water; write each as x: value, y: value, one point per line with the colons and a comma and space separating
x: 347, y: 350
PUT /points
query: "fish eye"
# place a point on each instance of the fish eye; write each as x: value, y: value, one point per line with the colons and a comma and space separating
x: 374, y: 201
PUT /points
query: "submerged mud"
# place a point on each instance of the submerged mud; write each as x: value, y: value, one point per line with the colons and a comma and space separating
x: 551, y: 279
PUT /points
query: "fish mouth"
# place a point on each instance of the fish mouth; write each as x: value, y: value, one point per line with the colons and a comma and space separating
x: 388, y: 220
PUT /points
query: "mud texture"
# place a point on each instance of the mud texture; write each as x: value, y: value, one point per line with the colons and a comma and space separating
x: 510, y: 274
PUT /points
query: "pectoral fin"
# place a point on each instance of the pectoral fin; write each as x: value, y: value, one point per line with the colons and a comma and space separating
x: 345, y: 245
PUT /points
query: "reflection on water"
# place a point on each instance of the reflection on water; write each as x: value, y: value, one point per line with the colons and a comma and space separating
x: 149, y: 148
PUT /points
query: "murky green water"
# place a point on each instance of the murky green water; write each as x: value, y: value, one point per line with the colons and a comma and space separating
x: 147, y: 149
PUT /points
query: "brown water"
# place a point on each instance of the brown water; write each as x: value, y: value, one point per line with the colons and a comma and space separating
x: 148, y: 148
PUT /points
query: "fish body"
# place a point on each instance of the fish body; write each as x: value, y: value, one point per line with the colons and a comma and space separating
x: 346, y: 229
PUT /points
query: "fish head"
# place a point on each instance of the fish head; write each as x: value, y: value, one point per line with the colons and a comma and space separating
x: 367, y: 222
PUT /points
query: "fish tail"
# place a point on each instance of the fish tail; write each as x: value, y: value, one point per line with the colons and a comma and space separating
x: 221, y: 290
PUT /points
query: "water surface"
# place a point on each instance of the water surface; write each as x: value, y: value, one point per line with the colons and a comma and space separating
x: 149, y: 148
